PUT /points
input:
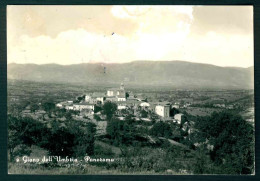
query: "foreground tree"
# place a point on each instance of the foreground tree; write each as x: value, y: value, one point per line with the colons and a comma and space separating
x: 161, y: 129
x: 120, y: 132
x: 24, y: 132
x: 109, y: 109
x: 232, y: 139
x: 74, y: 138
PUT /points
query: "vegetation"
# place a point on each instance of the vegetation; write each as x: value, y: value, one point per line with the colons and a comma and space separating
x: 109, y: 109
x: 174, y: 111
x: 120, y: 132
x: 74, y: 138
x: 161, y: 129
x: 232, y: 139
x: 48, y: 106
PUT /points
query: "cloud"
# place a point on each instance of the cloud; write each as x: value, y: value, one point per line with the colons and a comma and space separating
x: 49, y: 34
x: 80, y: 46
x: 51, y: 20
x: 155, y: 19
x: 70, y: 47
x: 218, y: 49
x: 222, y: 19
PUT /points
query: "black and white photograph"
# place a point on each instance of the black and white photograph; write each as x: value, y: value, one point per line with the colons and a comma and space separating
x: 130, y: 90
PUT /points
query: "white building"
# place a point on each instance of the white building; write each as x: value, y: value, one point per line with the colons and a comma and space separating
x: 69, y: 107
x: 87, y: 98
x: 81, y: 106
x: 121, y: 98
x: 178, y: 118
x: 121, y: 105
x: 101, y: 99
x: 145, y: 105
x: 117, y: 92
x: 176, y: 106
x: 60, y: 105
x: 163, y: 110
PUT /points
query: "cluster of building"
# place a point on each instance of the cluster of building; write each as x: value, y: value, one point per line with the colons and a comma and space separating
x: 121, y: 98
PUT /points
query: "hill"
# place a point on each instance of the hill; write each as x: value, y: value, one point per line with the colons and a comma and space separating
x: 146, y: 73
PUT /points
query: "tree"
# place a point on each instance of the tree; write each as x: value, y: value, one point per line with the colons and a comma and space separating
x: 97, y: 109
x: 85, y: 140
x: 80, y: 98
x: 232, y: 139
x: 34, y: 107
x: 48, y: 106
x: 120, y: 132
x: 161, y: 129
x: 129, y: 119
x: 74, y: 138
x: 109, y: 109
x: 24, y: 132
x: 61, y: 112
x: 202, y: 163
x: 127, y: 95
x: 68, y: 115
x: 174, y: 111
x: 97, y: 117
x: 144, y: 114
x: 61, y: 142
x: 13, y: 136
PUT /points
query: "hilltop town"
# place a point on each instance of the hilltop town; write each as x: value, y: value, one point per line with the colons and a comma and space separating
x: 124, y: 100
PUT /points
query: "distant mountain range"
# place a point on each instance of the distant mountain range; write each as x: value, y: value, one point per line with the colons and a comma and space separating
x: 151, y: 73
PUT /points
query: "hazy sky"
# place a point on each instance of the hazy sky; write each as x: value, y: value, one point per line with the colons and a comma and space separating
x: 219, y: 35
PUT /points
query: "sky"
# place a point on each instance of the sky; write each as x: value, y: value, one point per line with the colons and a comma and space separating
x: 218, y: 35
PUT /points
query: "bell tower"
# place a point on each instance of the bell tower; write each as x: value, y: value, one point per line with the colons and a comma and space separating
x: 122, y: 87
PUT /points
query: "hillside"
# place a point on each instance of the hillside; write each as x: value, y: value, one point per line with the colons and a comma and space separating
x: 167, y: 73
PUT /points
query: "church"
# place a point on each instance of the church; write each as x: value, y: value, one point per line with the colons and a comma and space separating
x: 116, y: 94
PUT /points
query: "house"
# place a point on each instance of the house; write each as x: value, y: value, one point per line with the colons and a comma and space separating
x: 132, y: 103
x: 121, y: 105
x: 40, y: 112
x: 121, y: 98
x: 178, y: 117
x: 83, y: 105
x: 87, y: 98
x: 162, y: 109
x: 95, y: 98
x: 61, y: 104
x: 69, y: 107
x: 98, y: 97
x: 219, y: 105
x: 144, y: 104
x: 101, y: 99
x: 176, y: 106
x: 230, y: 106
x: 26, y: 111
x: 112, y: 99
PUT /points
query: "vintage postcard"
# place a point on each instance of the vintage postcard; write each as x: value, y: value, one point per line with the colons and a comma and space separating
x: 136, y: 90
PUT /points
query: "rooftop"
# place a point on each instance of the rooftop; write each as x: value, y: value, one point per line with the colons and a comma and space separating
x: 98, y: 94
x: 84, y: 103
x: 160, y: 103
x: 121, y: 96
x: 114, y: 89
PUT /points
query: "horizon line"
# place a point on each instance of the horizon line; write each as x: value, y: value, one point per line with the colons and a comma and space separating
x: 130, y: 62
